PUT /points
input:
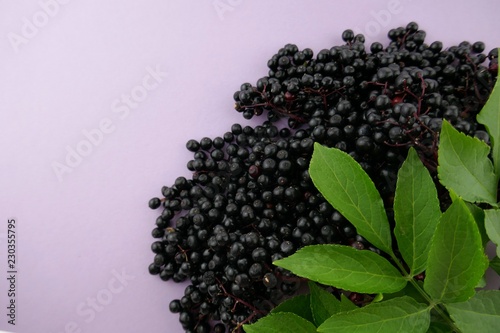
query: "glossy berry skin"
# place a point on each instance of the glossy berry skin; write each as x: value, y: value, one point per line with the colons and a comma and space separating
x: 154, y: 203
x: 175, y: 306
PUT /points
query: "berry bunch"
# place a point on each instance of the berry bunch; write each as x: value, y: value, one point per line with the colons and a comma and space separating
x: 370, y: 104
x: 251, y: 201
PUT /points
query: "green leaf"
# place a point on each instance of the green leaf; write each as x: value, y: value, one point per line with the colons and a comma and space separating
x: 299, y: 305
x: 464, y: 166
x: 396, y: 315
x: 323, y: 304
x: 495, y: 265
x: 281, y: 322
x: 346, y: 304
x: 492, y: 225
x: 346, y: 268
x: 481, y: 313
x: 416, y: 211
x: 478, y: 215
x: 490, y: 118
x: 456, y: 259
x: 348, y: 188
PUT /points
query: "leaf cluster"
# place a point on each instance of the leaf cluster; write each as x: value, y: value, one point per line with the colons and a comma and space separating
x: 448, y: 247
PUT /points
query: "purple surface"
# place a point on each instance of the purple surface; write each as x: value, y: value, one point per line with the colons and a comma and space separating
x: 81, y: 227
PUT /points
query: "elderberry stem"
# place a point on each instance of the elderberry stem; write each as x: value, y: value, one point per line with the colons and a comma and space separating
x: 432, y: 304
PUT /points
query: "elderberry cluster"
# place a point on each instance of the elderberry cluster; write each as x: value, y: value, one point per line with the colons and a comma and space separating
x: 372, y: 102
x: 250, y: 200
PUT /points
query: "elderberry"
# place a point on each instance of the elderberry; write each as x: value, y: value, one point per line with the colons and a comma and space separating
x: 250, y: 200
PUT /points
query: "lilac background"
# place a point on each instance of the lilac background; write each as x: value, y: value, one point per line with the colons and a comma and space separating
x: 76, y: 232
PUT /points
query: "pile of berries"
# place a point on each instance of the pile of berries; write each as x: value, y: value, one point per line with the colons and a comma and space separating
x: 250, y: 200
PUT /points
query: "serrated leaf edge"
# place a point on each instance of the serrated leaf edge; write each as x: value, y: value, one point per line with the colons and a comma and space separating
x: 408, y: 299
x: 396, y: 213
x: 387, y: 243
x: 478, y: 199
x: 395, y: 278
x: 476, y: 231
